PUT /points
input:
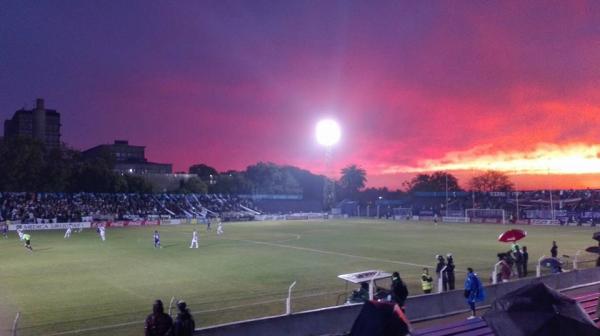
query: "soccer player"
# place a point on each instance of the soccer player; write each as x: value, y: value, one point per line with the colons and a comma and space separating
x: 5, y: 231
x: 68, y: 232
x: 102, y: 231
x: 219, y: 228
x: 194, y: 239
x: 20, y: 233
x: 27, y: 239
x: 156, y: 239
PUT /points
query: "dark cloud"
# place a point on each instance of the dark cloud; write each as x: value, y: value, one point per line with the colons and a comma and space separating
x: 230, y: 83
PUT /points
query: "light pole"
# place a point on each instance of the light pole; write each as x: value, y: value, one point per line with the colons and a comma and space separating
x: 446, y: 194
x: 328, y: 134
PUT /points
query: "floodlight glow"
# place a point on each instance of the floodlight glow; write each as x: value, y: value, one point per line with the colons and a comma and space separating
x: 328, y: 132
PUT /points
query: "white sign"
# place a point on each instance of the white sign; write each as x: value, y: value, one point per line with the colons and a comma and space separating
x: 49, y: 226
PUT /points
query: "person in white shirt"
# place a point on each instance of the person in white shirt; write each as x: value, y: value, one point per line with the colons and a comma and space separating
x: 102, y: 233
x: 194, y: 239
x: 20, y: 233
x: 68, y: 232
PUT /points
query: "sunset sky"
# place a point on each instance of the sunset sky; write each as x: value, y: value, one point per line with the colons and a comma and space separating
x: 417, y: 86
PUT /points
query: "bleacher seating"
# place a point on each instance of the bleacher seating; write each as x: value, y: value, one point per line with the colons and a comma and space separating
x: 589, y: 303
x: 472, y: 327
x: 29, y: 208
x: 478, y: 327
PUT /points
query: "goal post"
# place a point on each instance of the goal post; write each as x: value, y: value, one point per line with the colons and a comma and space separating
x: 403, y: 213
x: 486, y: 214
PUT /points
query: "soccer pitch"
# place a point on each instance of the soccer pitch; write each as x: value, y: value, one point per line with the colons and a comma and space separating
x: 97, y: 288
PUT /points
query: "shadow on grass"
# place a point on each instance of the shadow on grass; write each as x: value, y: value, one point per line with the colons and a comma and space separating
x: 42, y: 249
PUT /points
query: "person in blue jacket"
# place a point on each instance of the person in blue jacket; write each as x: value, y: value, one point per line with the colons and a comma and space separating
x: 474, y: 291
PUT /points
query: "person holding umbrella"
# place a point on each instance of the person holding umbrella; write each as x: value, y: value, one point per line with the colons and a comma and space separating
x: 474, y: 291
x: 518, y: 257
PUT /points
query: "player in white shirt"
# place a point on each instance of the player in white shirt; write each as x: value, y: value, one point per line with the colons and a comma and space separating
x: 68, y: 232
x: 219, y: 228
x: 102, y: 233
x: 20, y: 233
x: 194, y: 239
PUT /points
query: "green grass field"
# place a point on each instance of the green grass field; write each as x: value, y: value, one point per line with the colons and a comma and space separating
x: 83, y: 283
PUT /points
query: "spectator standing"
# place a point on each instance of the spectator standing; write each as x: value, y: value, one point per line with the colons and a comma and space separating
x: 426, y: 281
x: 158, y: 323
x: 525, y: 260
x: 184, y: 322
x: 399, y: 290
x: 505, y: 270
x: 450, y: 271
x: 554, y: 250
x: 441, y: 275
x: 508, y: 257
x: 474, y: 291
x: 518, y: 256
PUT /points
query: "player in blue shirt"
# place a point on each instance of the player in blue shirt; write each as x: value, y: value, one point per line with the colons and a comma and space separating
x: 156, y: 239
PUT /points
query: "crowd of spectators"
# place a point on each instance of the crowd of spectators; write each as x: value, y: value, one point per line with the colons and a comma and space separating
x: 64, y: 207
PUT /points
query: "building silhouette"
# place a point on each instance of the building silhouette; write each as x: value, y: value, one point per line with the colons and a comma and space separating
x: 39, y: 123
x: 129, y: 159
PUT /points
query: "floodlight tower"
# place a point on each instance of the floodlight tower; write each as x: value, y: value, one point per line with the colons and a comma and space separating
x: 328, y: 134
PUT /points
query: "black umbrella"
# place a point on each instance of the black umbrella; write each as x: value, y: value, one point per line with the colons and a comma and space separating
x: 596, y: 236
x: 593, y: 249
x: 551, y: 263
x: 536, y: 310
x: 379, y: 319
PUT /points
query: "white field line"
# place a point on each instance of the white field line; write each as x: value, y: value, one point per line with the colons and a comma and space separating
x: 111, y: 326
x: 296, y: 237
x: 331, y: 252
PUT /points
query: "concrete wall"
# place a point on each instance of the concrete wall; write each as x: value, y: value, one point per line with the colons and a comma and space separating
x: 337, y: 320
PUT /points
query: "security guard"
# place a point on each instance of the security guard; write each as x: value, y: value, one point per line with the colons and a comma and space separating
x: 426, y: 281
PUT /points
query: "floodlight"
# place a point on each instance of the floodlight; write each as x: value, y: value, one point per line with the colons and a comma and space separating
x: 328, y: 132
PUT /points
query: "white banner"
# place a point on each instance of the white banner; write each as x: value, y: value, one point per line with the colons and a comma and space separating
x: 455, y: 219
x: 49, y: 226
x: 170, y: 221
x: 544, y: 222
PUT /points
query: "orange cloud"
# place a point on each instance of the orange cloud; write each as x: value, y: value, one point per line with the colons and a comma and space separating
x: 574, y: 158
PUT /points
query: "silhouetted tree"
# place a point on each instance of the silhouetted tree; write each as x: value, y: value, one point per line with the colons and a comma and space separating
x: 491, y: 181
x: 352, y: 180
x: 192, y: 185
x: 434, y: 182
x: 22, y: 164
x: 203, y: 171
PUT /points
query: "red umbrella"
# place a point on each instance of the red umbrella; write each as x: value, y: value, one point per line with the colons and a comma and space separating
x: 512, y: 236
